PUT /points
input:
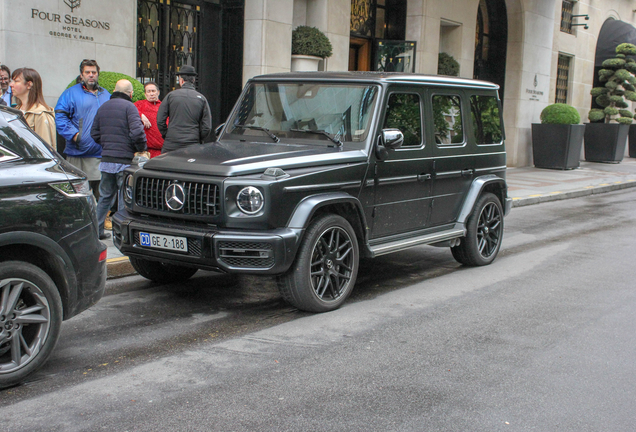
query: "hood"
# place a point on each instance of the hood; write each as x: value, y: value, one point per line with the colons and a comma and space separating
x: 240, y: 158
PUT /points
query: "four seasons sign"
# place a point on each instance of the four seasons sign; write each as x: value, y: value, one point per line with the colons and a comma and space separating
x: 70, y: 26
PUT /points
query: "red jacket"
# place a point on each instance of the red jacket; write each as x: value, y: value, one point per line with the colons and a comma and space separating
x: 149, y: 109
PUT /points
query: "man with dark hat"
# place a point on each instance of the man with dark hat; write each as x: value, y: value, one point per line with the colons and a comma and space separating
x: 184, y: 116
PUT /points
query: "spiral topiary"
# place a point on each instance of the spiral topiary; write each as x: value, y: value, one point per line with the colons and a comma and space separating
x: 560, y: 113
x: 618, y: 76
x: 107, y: 80
x: 310, y: 41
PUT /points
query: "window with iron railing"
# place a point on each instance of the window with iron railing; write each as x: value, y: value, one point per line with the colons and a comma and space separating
x: 563, y: 78
x: 567, y: 9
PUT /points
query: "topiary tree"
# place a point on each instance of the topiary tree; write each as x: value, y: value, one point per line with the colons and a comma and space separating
x: 620, y: 84
x: 109, y: 79
x: 560, y: 113
x: 310, y: 41
x: 447, y: 65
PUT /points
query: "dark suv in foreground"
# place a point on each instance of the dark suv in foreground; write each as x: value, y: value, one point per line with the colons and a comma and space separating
x: 52, y: 265
x: 313, y: 171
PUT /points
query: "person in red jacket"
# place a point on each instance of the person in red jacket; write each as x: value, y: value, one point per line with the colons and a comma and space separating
x: 148, y: 110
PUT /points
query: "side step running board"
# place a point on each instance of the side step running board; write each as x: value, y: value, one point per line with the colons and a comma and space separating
x: 394, y: 246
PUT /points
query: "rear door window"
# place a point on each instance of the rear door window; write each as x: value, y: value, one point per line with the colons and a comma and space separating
x: 448, y: 119
x: 484, y: 111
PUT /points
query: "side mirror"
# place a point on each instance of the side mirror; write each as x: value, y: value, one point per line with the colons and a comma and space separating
x: 392, y: 138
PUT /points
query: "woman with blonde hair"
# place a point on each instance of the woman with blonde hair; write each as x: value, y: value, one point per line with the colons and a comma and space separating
x: 26, y: 86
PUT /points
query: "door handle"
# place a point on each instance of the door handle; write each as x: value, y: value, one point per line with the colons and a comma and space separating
x: 467, y: 172
x: 423, y: 177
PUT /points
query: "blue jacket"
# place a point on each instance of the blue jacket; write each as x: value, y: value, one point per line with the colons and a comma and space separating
x: 74, y: 113
x: 117, y: 127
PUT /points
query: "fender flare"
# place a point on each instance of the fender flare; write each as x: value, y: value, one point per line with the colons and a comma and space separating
x: 475, y: 191
x: 307, y: 207
x: 60, y: 260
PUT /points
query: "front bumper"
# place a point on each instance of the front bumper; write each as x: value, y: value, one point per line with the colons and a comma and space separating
x: 209, y: 248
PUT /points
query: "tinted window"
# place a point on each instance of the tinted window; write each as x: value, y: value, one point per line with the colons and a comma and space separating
x: 486, y: 120
x: 404, y: 113
x: 447, y: 117
x: 16, y: 137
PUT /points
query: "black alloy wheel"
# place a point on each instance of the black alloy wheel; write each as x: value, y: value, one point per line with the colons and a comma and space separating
x: 484, y: 232
x: 30, y: 320
x: 326, y: 266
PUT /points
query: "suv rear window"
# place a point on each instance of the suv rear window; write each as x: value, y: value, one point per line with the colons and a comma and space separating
x: 484, y: 111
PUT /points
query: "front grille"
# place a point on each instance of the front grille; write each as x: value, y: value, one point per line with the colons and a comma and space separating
x: 194, y: 245
x: 201, y: 199
x: 246, y: 254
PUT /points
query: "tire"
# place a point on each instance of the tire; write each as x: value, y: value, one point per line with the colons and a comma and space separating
x: 30, y: 320
x: 326, y: 266
x: 484, y: 233
x: 162, y: 272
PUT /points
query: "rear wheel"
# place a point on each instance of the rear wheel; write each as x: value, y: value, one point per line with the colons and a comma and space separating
x: 30, y: 320
x: 484, y: 232
x: 162, y: 272
x: 326, y: 266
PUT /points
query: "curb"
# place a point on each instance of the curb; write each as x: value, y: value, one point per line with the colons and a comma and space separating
x: 588, y: 190
x: 119, y: 267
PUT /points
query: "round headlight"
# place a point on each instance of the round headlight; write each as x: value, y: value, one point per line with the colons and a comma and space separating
x: 128, y: 189
x: 250, y: 200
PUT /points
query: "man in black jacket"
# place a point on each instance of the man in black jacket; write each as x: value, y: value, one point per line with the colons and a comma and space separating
x: 188, y: 112
x: 117, y: 127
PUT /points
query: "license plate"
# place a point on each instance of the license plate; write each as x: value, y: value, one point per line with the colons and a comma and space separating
x: 160, y: 241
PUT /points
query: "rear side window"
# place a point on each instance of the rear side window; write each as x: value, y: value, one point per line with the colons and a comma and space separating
x: 484, y: 111
x: 404, y: 113
x: 448, y: 119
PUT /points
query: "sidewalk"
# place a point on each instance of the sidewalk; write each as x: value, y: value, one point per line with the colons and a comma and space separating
x: 526, y: 186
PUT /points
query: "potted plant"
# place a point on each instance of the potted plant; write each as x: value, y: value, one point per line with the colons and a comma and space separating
x: 447, y: 65
x: 557, y: 140
x: 309, y: 46
x: 605, y: 142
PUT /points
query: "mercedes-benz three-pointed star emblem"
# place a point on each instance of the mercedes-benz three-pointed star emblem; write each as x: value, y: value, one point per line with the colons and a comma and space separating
x: 175, y: 197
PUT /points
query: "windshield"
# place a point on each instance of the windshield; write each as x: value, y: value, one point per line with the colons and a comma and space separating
x: 318, y: 113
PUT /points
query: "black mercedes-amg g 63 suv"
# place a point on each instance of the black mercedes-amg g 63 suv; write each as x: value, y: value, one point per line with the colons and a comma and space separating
x: 313, y: 171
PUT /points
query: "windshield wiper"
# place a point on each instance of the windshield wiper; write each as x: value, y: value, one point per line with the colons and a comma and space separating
x: 333, y: 138
x: 271, y: 135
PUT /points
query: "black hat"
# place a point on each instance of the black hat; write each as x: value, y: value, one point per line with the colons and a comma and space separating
x: 187, y: 70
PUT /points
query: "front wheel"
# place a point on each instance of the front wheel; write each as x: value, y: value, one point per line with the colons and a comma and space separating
x: 326, y: 266
x: 162, y: 272
x: 30, y: 320
x: 484, y: 232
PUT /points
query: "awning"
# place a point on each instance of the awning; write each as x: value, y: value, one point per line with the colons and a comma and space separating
x: 612, y: 34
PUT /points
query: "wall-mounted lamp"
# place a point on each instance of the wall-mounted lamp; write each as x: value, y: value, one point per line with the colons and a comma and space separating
x: 587, y: 17
x: 585, y: 26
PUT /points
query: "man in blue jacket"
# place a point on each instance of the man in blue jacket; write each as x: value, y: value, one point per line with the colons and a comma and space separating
x: 74, y: 114
x: 118, y: 129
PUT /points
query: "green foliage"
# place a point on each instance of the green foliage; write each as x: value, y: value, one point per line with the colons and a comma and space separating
x: 610, y: 111
x: 624, y: 120
x: 604, y: 74
x: 615, y: 99
x: 614, y: 63
x: 626, y: 49
x: 603, y: 100
x: 107, y: 80
x: 597, y: 91
x: 447, y: 65
x: 310, y: 41
x: 612, y: 85
x: 622, y: 104
x: 621, y: 56
x: 596, y: 115
x: 630, y: 95
x: 484, y: 112
x: 625, y: 113
x: 559, y: 113
x: 631, y: 67
x: 622, y: 74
